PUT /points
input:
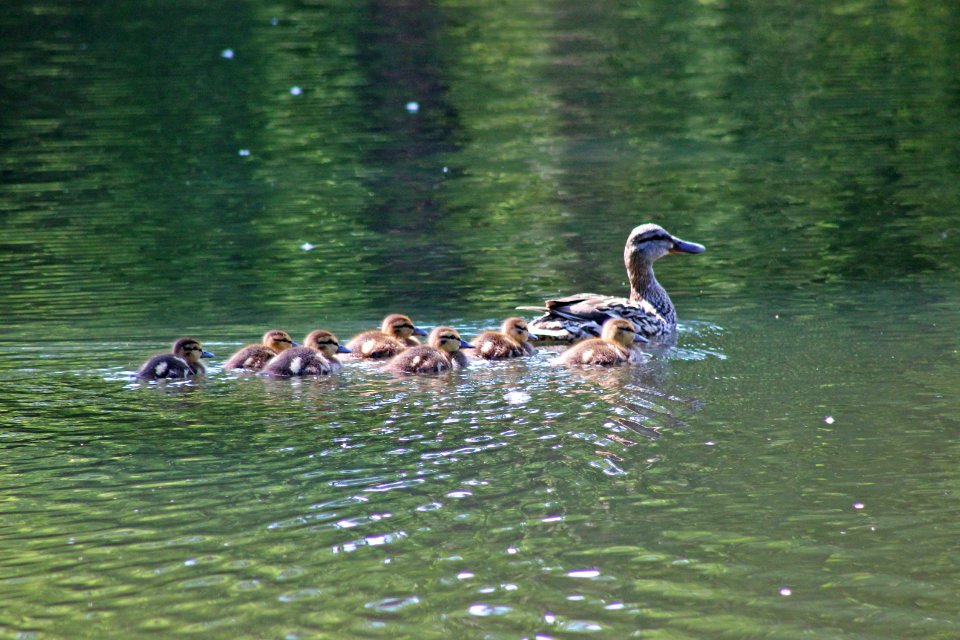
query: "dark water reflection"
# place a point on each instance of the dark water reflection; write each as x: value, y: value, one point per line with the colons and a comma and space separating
x: 787, y: 469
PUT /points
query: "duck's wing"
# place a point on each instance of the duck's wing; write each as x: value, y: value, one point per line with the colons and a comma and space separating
x: 580, y: 316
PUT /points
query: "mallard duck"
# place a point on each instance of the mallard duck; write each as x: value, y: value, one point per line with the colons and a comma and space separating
x: 396, y: 334
x: 442, y: 353
x: 315, y: 358
x: 616, y: 345
x: 578, y: 317
x: 253, y: 357
x: 182, y: 362
x: 510, y: 342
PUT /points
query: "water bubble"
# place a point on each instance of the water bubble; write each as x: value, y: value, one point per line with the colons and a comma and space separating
x: 413, y: 107
x: 786, y: 591
x: 516, y: 397
x: 306, y: 246
x: 828, y: 419
x: 227, y: 54
x: 295, y: 90
x: 858, y: 505
x: 243, y: 152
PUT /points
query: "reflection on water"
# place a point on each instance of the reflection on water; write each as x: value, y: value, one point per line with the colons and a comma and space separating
x: 785, y: 470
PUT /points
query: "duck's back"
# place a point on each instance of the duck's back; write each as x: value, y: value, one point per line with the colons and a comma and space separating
x: 166, y: 367
x: 594, y: 352
x: 300, y: 361
x: 376, y: 345
x: 252, y: 357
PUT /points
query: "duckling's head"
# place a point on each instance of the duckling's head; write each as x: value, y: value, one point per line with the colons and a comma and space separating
x: 401, y: 327
x: 447, y: 339
x: 278, y: 340
x: 517, y: 329
x: 621, y: 332
x: 650, y: 242
x: 190, y: 350
x: 324, y: 342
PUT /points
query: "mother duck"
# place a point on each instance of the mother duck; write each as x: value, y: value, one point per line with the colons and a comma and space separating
x: 579, y: 317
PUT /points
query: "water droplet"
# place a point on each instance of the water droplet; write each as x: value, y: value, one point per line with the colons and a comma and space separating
x: 584, y: 573
x: 858, y: 505
x: 306, y: 246
x: 413, y: 107
x: 828, y: 419
x: 295, y: 90
x: 464, y: 575
x: 786, y: 591
x: 244, y: 152
x: 227, y: 54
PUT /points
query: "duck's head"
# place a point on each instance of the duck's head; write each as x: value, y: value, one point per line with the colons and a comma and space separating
x: 400, y: 326
x: 447, y: 339
x: 517, y: 329
x: 621, y: 332
x: 190, y: 350
x: 278, y: 340
x: 650, y: 242
x: 324, y: 342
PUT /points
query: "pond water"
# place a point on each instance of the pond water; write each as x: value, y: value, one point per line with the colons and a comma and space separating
x: 788, y: 470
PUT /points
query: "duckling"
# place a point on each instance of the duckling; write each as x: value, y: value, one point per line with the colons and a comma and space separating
x: 510, y: 342
x: 315, y: 358
x: 578, y: 317
x: 442, y: 353
x: 182, y: 362
x: 396, y: 334
x: 253, y: 357
x: 617, y: 345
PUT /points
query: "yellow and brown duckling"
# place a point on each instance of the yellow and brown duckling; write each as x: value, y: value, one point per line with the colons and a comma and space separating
x: 441, y: 353
x: 616, y: 345
x: 395, y: 334
x: 315, y: 358
x: 254, y: 357
x: 182, y: 362
x: 512, y: 341
x: 580, y: 316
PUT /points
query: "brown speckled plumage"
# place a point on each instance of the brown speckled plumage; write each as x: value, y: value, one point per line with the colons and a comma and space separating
x: 578, y: 317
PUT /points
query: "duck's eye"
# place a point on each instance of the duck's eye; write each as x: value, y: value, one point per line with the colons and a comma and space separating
x: 450, y: 338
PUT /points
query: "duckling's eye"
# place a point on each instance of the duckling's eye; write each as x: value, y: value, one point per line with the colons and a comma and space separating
x: 449, y: 338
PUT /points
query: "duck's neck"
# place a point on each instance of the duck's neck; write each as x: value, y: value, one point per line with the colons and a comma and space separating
x: 644, y: 286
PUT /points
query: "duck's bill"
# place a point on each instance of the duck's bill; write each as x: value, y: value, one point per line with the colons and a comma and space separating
x: 206, y: 354
x: 466, y: 345
x: 641, y: 339
x: 682, y: 246
x: 343, y: 349
x: 417, y: 331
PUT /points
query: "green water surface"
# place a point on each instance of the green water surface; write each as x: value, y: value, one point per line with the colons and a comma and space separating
x: 788, y: 470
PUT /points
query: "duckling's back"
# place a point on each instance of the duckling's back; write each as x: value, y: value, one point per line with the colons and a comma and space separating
x: 252, y: 357
x: 594, y: 352
x: 420, y: 359
x: 493, y: 345
x: 166, y: 366
x: 376, y: 345
x: 300, y: 361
